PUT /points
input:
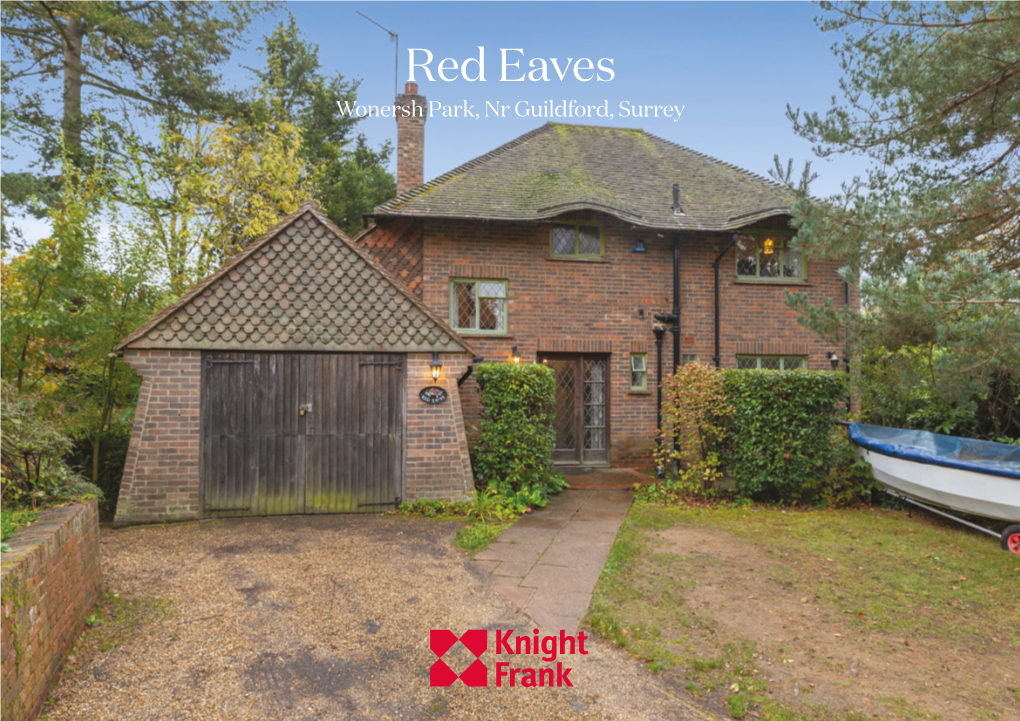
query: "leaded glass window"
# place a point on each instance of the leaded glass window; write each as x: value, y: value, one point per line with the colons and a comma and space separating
x: 576, y: 241
x: 768, y: 255
x: 638, y: 371
x: 478, y: 306
x: 771, y: 363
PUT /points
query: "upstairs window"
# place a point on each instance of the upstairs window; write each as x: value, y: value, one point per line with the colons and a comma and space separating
x: 478, y: 306
x: 772, y: 362
x: 577, y: 240
x: 638, y: 371
x: 768, y: 255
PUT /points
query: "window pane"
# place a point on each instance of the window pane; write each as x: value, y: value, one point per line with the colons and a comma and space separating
x: 793, y: 264
x: 465, y: 298
x: 490, y: 313
x: 637, y: 362
x: 686, y: 358
x: 747, y: 363
x: 588, y: 241
x: 770, y: 364
x: 563, y: 240
x: 491, y: 290
x: 770, y: 256
x: 637, y: 379
x: 747, y: 249
x: 793, y: 364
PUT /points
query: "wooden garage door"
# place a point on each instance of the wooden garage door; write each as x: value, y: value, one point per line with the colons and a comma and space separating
x: 301, y: 433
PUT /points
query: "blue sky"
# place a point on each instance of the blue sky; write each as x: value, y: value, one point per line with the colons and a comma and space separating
x: 733, y: 66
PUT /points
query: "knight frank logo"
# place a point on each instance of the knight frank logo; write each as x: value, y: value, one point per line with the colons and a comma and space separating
x: 476, y: 641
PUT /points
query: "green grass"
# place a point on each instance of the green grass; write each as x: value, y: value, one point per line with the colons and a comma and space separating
x: 868, y: 565
x: 477, y: 536
x: 873, y: 564
x: 485, y: 518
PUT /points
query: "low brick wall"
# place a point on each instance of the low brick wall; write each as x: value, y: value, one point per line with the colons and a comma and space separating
x: 51, y: 582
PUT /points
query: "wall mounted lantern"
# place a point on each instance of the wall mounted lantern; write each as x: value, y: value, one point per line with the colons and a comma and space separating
x: 768, y: 247
x: 436, y: 365
x: 834, y: 359
x: 516, y: 355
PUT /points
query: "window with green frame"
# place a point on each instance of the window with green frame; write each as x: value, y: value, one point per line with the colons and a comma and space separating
x: 478, y: 306
x: 576, y: 240
x: 638, y: 371
x: 768, y: 255
x: 772, y: 362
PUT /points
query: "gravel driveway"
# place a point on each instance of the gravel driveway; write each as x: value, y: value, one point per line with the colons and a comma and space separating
x: 321, y: 617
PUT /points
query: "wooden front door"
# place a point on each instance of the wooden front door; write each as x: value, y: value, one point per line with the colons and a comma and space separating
x: 582, y: 408
x: 301, y: 433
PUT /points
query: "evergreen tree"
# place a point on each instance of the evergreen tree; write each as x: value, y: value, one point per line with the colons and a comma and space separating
x: 350, y: 177
x: 931, y: 95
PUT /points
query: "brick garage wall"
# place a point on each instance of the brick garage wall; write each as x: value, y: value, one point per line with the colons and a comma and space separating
x: 51, y: 582
x: 438, y: 463
x: 161, y: 472
x: 573, y: 302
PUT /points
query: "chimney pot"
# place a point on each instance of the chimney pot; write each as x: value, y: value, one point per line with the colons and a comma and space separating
x: 411, y: 88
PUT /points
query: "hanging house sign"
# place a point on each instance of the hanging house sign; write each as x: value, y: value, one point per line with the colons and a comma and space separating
x: 433, y: 395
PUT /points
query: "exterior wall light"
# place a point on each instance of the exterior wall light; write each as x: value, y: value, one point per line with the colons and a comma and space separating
x: 834, y: 359
x: 436, y: 365
x: 516, y: 356
x: 768, y: 247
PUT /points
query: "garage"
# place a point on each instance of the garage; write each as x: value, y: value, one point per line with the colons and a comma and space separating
x: 301, y: 433
x: 300, y: 377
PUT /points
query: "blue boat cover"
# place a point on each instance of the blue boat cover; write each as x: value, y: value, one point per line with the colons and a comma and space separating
x: 1000, y: 459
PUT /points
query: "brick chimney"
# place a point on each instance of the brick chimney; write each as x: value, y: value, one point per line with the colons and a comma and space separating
x: 410, y: 138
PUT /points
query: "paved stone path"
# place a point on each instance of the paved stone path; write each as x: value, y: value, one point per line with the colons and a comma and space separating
x: 548, y: 562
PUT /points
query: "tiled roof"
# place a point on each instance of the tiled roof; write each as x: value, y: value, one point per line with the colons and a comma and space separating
x: 627, y: 173
x: 303, y: 286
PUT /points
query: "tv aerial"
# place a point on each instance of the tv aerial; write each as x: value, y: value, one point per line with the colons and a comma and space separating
x: 396, y: 51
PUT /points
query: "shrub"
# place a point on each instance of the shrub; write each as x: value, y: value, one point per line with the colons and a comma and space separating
x: 695, y: 412
x: 32, y: 455
x: 11, y: 519
x: 780, y: 435
x: 772, y: 429
x: 513, y: 453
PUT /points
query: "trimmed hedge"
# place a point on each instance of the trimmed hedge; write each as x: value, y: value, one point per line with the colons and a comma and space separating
x: 780, y: 432
x: 514, y: 449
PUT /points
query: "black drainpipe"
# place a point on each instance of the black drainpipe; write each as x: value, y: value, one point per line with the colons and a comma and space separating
x: 674, y: 317
x: 659, y: 330
x: 715, y: 269
x: 467, y: 373
x: 676, y: 301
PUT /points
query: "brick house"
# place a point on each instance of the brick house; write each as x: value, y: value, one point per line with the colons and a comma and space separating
x: 300, y: 376
x: 565, y: 243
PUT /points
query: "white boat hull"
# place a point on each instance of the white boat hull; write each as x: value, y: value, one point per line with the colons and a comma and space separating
x: 981, y: 494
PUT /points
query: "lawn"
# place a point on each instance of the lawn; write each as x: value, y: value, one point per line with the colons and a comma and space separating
x: 784, y: 614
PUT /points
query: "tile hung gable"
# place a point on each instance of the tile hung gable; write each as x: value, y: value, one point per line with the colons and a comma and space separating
x: 301, y: 287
